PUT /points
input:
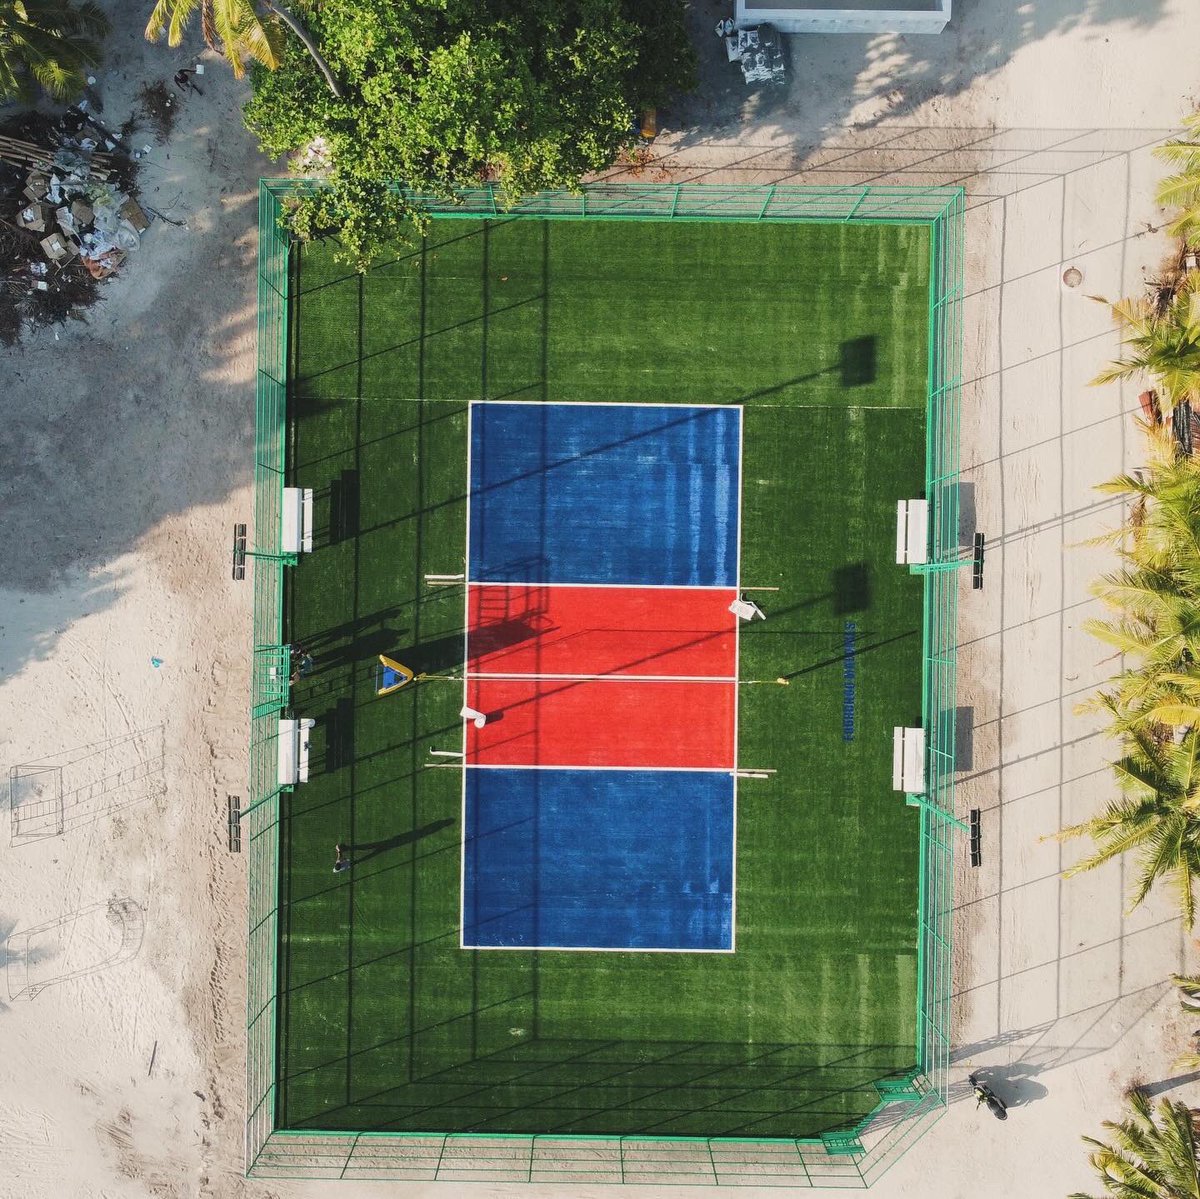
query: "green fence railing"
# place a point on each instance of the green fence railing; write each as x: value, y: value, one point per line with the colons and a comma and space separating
x: 269, y: 673
x: 851, y: 1158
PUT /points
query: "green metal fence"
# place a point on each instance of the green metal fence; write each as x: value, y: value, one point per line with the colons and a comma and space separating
x: 269, y: 673
x: 851, y: 1158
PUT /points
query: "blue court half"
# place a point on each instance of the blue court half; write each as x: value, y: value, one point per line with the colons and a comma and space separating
x: 604, y: 493
x: 598, y: 859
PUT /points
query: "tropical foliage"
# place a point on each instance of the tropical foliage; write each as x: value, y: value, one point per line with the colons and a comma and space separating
x: 1188, y: 988
x: 238, y: 28
x: 1161, y: 343
x: 440, y: 95
x: 243, y: 30
x: 1153, y: 705
x: 1181, y: 190
x: 1158, y: 816
x: 49, y: 44
x: 1151, y: 1153
x: 1155, y: 594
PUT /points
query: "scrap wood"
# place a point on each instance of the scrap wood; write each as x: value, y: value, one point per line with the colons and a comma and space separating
x: 31, y: 156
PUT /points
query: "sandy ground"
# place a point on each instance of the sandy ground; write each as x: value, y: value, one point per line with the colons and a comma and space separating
x: 126, y: 456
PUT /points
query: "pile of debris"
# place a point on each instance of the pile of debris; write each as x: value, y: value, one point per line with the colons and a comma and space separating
x: 70, y: 211
x: 757, y: 48
x: 72, y: 203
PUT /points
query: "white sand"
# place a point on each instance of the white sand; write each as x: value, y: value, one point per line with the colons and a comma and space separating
x: 126, y: 457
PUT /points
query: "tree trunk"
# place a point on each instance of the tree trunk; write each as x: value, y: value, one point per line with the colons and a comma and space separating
x: 298, y: 29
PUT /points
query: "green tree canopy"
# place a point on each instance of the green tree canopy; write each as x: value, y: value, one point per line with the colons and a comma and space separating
x: 51, y: 43
x: 445, y: 94
x: 1181, y: 190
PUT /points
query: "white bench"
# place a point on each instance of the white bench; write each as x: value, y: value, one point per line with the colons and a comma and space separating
x: 908, y: 760
x: 296, y: 533
x: 912, y: 531
x: 293, y: 751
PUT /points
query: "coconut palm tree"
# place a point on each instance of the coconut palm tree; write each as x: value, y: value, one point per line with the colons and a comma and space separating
x: 1160, y: 344
x: 240, y: 29
x: 51, y: 43
x: 1152, y: 1154
x: 1189, y: 1000
x: 1156, y: 593
x: 1158, y: 816
x: 1182, y: 189
x: 236, y: 27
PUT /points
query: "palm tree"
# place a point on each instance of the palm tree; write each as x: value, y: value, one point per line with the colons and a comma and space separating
x: 240, y: 29
x: 49, y: 42
x: 1158, y: 816
x: 1162, y: 344
x: 1156, y: 593
x: 1189, y: 1001
x: 1182, y: 189
x: 1153, y: 1154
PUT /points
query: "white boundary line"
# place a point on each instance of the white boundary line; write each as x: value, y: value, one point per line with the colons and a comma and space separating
x: 737, y: 667
x: 591, y: 586
x: 567, y: 766
x: 590, y: 949
x: 608, y: 678
x: 618, y: 948
x: 602, y: 404
x: 468, y: 675
x: 462, y: 848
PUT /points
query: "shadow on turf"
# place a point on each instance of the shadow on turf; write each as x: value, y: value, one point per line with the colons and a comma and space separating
x: 361, y: 852
x: 354, y: 649
x: 363, y: 631
x: 857, y: 361
x: 860, y: 649
x: 551, y: 1085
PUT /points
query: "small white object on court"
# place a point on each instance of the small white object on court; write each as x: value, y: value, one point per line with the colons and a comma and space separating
x: 479, y: 719
x: 746, y: 609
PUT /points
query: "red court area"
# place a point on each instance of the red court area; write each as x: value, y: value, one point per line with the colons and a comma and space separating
x: 602, y: 722
x: 658, y: 631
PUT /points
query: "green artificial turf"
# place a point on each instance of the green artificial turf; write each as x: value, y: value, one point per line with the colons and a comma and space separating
x: 384, y: 1023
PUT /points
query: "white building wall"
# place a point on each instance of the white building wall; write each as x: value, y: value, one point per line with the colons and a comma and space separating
x: 845, y: 20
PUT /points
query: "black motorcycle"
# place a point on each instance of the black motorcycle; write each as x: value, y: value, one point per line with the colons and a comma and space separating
x: 985, y: 1094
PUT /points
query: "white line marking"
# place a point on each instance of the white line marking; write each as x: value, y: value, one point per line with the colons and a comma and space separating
x: 589, y: 949
x: 681, y: 407
x: 572, y: 766
x: 737, y: 666
x: 731, y: 771
x: 741, y: 472
x: 623, y: 586
x: 604, y: 678
x: 462, y: 864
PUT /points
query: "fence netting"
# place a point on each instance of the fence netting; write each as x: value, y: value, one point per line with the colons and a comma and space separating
x: 853, y: 1157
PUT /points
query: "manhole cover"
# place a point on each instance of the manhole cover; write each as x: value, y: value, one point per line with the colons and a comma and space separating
x: 1072, y: 276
